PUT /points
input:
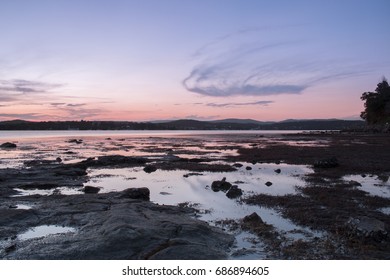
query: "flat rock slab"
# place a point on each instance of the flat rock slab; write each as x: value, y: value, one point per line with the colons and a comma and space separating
x: 110, y: 226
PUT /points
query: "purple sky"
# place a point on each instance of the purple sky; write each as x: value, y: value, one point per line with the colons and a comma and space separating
x: 149, y: 60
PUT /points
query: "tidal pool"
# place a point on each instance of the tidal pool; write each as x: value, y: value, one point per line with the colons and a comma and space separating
x: 45, y: 230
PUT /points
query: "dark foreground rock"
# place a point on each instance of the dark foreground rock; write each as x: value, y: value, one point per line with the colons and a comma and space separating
x: 222, y: 185
x: 8, y: 145
x: 110, y: 226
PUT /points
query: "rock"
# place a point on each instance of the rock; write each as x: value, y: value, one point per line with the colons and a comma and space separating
x: 8, y: 145
x: 77, y: 141
x: 278, y: 170
x: 192, y: 174
x: 137, y: 193
x: 90, y: 189
x: 268, y: 184
x: 367, y: 227
x: 150, y: 168
x: 58, y: 159
x: 253, y: 218
x: 128, y: 230
x: 221, y: 185
x: 234, y: 192
x: 10, y: 248
x: 238, y: 165
x: 248, y: 168
x: 326, y: 163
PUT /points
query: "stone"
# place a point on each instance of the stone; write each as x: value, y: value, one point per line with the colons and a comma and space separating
x: 268, y: 184
x: 91, y: 189
x: 8, y: 145
x: 76, y: 141
x: 234, y: 192
x: 278, y: 170
x: 222, y: 185
x: 137, y: 193
x: 238, y: 165
x: 150, y: 168
x: 367, y: 227
x: 248, y: 168
x: 253, y: 218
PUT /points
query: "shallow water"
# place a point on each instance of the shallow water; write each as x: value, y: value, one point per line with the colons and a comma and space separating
x: 371, y: 184
x: 43, y: 231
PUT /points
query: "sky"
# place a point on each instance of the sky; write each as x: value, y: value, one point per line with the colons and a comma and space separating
x: 143, y: 60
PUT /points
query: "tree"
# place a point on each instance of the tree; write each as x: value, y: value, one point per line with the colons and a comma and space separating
x: 377, y: 104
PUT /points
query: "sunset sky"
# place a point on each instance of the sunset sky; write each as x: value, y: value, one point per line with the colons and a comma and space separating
x: 141, y: 60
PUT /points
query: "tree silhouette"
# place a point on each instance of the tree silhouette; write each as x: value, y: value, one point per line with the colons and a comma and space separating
x: 377, y: 104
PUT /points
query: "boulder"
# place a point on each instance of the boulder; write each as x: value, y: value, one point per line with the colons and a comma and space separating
x: 8, y: 145
x: 253, y: 218
x: 367, y: 227
x: 238, y: 165
x: 248, y: 168
x: 150, y: 168
x: 268, y: 184
x: 234, y: 192
x: 278, y: 170
x: 221, y: 185
x: 137, y: 193
x: 90, y: 189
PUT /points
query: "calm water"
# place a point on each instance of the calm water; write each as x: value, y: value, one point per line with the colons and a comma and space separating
x: 15, y: 135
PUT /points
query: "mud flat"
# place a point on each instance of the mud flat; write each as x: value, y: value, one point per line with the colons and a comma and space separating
x: 294, y: 196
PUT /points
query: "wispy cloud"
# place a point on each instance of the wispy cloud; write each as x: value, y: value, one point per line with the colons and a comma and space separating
x: 25, y: 116
x: 254, y: 62
x: 239, y: 104
x: 19, y: 91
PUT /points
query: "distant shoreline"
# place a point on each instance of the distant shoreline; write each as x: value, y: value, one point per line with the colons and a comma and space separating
x: 190, y: 125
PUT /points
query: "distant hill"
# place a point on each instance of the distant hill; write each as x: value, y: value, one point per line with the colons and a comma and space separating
x: 186, y: 124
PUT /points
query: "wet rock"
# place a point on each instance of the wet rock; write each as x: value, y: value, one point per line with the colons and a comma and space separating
x: 131, y: 229
x: 192, y: 174
x: 248, y: 168
x: 91, y: 189
x: 113, y: 160
x: 222, y: 185
x: 234, y: 192
x: 364, y: 226
x: 238, y: 165
x: 268, y: 184
x: 10, y: 248
x: 150, y: 168
x: 39, y: 186
x: 326, y: 163
x: 137, y: 193
x: 253, y: 218
x: 8, y: 145
x: 278, y: 170
x: 58, y: 159
x: 76, y: 141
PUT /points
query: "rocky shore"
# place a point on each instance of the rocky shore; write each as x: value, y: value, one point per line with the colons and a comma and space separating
x: 125, y: 225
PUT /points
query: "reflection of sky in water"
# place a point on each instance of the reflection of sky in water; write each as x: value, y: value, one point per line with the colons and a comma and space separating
x: 42, y: 231
x: 371, y: 184
x: 171, y: 187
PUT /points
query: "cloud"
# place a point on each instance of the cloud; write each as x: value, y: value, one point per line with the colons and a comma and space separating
x: 237, y: 104
x: 19, y: 91
x: 259, y: 62
x: 26, y: 116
